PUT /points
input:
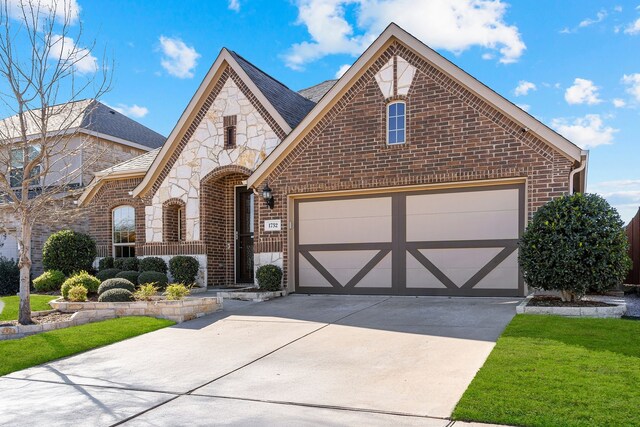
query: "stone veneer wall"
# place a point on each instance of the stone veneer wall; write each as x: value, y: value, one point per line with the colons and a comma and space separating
x: 452, y: 136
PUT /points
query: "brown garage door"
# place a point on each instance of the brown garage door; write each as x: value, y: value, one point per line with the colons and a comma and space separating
x: 438, y: 242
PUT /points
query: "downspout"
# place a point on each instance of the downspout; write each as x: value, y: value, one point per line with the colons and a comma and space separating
x: 583, y: 164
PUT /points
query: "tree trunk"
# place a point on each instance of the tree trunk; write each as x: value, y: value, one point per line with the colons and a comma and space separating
x: 568, y: 296
x: 24, y: 315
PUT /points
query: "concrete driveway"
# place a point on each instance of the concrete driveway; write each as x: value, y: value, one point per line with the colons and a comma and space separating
x: 300, y: 360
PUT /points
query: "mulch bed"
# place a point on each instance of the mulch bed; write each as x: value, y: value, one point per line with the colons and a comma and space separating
x: 552, y: 301
x: 47, y: 318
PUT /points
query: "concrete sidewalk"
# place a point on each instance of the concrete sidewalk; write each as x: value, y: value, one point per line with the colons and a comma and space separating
x: 300, y: 360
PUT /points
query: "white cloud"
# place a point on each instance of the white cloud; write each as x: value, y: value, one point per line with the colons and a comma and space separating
x: 587, y: 132
x: 619, y: 103
x: 179, y: 60
x: 525, y: 107
x: 524, y: 87
x: 617, y: 9
x: 633, y: 28
x: 343, y: 69
x: 624, y: 195
x: 442, y: 24
x: 65, y: 49
x: 590, y: 21
x: 583, y: 91
x: 633, y: 83
x: 234, y: 5
x: 62, y: 10
x: 134, y: 111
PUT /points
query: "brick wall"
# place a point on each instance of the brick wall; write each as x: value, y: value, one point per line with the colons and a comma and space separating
x: 452, y: 135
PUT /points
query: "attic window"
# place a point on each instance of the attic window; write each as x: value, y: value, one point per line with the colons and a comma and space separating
x: 229, y: 123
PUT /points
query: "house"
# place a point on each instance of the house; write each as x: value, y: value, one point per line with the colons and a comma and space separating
x: 406, y: 176
x: 90, y: 136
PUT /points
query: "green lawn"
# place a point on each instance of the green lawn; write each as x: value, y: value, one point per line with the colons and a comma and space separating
x: 555, y: 371
x: 12, y: 303
x: 36, y: 349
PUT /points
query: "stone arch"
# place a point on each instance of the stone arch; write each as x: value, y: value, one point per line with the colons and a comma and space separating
x: 221, y: 171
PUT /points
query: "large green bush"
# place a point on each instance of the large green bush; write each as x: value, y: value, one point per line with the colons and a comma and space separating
x: 49, y: 281
x: 184, y: 269
x: 69, y: 252
x: 269, y: 277
x: 575, y: 244
x: 107, y: 274
x: 153, y: 263
x: 83, y: 278
x: 117, y: 283
x: 160, y: 280
x: 104, y: 263
x: 131, y: 276
x: 9, y: 277
x: 126, y: 264
x: 116, y: 295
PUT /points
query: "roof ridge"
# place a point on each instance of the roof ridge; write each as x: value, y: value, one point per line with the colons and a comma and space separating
x: 261, y: 70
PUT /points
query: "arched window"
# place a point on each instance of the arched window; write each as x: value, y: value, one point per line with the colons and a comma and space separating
x: 174, y: 222
x: 124, y: 231
x: 396, y: 123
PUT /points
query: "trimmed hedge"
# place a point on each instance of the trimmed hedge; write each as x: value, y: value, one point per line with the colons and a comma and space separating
x: 83, y: 278
x: 153, y: 263
x: 106, y: 262
x: 9, y: 276
x: 69, y: 252
x: 269, y: 277
x: 184, y: 269
x: 117, y: 283
x: 49, y: 281
x: 131, y: 276
x: 160, y: 280
x: 126, y: 264
x: 107, y: 274
x: 116, y: 295
x: 575, y: 244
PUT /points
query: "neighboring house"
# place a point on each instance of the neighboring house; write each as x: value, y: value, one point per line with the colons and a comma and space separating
x: 405, y: 177
x: 95, y: 137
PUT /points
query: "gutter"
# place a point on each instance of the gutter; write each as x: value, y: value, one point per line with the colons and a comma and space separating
x: 583, y: 165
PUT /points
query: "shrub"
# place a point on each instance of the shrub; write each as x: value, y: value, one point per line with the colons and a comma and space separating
x: 77, y: 293
x: 104, y: 263
x: 126, y: 264
x: 9, y: 276
x: 68, y: 252
x: 184, y: 269
x: 131, y: 276
x: 116, y: 284
x: 269, y: 277
x: 49, y: 281
x: 153, y: 277
x: 107, y: 274
x: 153, y: 263
x: 177, y: 291
x: 575, y: 244
x: 145, y: 292
x: 116, y: 295
x: 83, y: 278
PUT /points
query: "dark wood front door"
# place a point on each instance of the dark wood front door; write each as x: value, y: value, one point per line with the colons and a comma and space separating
x: 244, y: 235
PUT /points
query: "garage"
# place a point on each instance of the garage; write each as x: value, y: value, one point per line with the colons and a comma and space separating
x: 455, y: 241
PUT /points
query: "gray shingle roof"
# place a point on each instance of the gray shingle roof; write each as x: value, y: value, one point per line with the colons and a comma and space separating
x: 292, y: 106
x: 142, y: 162
x: 315, y: 93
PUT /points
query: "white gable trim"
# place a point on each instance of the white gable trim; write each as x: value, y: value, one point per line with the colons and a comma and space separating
x: 555, y: 140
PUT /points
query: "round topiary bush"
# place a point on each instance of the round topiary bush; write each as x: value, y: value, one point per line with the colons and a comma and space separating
x: 77, y: 293
x: 49, y: 281
x: 126, y: 264
x: 107, y: 274
x: 83, y: 278
x: 269, y: 277
x: 117, y: 283
x: 153, y: 263
x: 184, y: 269
x: 160, y: 280
x: 69, y: 252
x: 116, y: 295
x: 575, y: 244
x: 104, y: 263
x: 131, y: 276
x: 9, y: 277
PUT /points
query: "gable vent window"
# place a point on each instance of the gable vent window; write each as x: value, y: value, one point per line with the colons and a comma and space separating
x: 229, y: 123
x: 396, y: 123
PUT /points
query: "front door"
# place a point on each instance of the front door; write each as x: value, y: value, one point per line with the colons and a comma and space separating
x: 244, y: 235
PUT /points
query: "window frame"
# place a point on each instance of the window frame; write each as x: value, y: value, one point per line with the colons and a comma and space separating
x: 29, y: 153
x: 388, y: 117
x: 128, y: 244
x: 180, y: 215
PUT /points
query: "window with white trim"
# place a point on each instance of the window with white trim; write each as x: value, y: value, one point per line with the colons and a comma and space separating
x: 396, y: 123
x: 124, y: 232
x: 20, y: 157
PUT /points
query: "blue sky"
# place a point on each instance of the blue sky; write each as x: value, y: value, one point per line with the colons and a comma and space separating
x: 574, y: 64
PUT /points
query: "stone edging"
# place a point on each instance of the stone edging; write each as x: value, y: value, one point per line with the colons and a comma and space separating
x: 613, y: 312
x: 251, y: 296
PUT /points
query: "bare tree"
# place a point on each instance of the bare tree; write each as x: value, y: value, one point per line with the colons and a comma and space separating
x: 45, y: 80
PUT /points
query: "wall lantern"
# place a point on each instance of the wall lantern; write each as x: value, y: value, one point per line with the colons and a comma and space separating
x: 267, y: 194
